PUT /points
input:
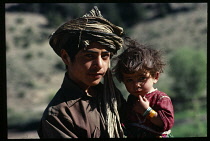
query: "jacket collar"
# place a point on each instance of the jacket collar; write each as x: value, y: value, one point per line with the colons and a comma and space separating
x: 72, y: 92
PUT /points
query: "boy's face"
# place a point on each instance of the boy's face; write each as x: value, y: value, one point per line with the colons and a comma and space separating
x: 139, y: 83
x: 89, y: 66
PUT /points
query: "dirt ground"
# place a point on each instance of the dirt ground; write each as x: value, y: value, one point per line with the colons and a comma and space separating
x: 12, y: 134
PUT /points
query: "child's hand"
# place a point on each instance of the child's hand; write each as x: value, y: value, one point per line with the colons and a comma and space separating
x: 141, y: 105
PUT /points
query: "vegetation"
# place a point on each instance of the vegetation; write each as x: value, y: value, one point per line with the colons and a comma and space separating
x: 188, y: 68
x: 34, y: 72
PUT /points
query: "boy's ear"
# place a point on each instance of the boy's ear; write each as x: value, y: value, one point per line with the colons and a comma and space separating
x: 156, y: 77
x: 65, y: 57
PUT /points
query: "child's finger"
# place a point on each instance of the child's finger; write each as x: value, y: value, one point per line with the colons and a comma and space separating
x: 144, y: 98
x: 140, y: 98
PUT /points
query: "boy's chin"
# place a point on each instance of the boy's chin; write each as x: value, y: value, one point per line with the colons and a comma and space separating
x: 96, y: 82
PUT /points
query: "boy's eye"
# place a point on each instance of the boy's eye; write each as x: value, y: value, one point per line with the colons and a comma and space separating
x: 128, y: 80
x: 89, y: 55
x: 105, y: 56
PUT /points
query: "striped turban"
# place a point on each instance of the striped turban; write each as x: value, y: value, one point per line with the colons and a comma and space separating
x: 92, y: 27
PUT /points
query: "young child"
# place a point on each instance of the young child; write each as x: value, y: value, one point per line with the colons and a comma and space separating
x: 149, y: 111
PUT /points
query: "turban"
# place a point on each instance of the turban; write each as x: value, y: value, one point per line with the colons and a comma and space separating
x: 92, y: 27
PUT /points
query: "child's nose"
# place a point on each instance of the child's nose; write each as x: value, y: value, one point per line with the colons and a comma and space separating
x: 137, y: 84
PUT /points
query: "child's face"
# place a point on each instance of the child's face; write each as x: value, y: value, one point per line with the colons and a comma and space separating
x: 139, y: 83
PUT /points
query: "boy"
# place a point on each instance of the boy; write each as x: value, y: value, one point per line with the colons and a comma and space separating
x: 149, y: 111
x: 84, y: 107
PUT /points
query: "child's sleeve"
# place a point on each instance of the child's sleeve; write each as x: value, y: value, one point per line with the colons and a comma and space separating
x: 165, y: 110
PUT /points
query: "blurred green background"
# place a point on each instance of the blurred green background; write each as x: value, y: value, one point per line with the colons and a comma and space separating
x: 35, y: 72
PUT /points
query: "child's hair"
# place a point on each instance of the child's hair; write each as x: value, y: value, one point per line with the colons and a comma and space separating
x: 137, y: 57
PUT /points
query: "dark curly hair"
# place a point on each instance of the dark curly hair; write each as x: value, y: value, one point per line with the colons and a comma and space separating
x: 137, y: 57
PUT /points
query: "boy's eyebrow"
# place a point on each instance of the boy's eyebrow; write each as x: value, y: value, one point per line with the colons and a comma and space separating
x: 91, y: 51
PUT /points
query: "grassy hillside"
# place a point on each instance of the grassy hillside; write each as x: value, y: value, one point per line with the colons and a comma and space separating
x: 185, y: 29
x: 35, y: 72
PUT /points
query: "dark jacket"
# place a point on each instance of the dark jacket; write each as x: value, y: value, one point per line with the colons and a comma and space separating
x: 73, y: 114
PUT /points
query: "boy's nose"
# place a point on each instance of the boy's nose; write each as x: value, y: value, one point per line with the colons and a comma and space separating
x: 98, y: 62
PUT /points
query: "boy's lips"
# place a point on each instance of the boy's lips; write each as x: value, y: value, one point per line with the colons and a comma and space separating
x: 96, y: 75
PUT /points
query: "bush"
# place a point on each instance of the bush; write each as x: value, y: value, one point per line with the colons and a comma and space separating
x: 188, y: 68
x: 22, y: 41
x: 19, y: 21
x: 21, y: 94
x: 12, y: 29
x: 28, y: 56
x: 59, y: 66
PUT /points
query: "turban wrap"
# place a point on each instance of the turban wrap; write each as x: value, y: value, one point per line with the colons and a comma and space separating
x: 92, y: 27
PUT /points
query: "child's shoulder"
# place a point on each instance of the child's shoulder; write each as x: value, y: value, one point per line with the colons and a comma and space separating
x: 160, y: 95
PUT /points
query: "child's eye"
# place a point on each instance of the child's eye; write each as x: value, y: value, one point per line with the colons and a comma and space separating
x: 142, y: 78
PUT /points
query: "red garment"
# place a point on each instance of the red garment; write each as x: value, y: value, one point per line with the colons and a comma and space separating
x: 161, y: 103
